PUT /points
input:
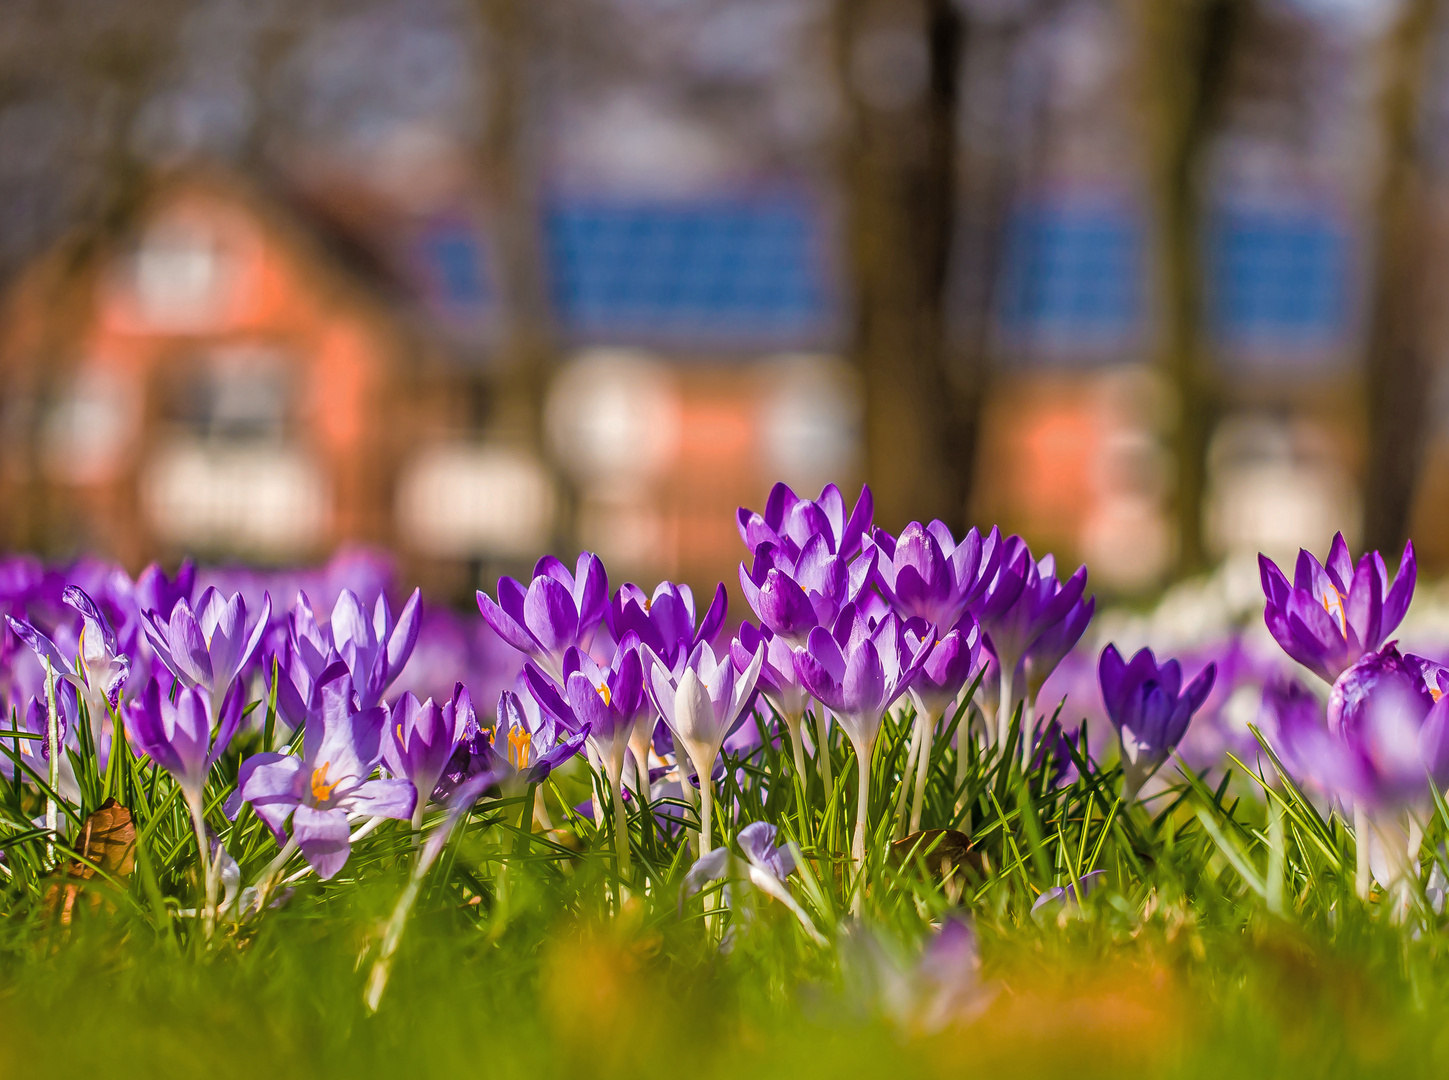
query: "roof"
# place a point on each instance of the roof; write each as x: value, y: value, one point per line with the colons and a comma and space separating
x: 1280, y: 285
x: 1073, y: 283
x: 734, y: 271
x: 1278, y: 279
x: 708, y: 274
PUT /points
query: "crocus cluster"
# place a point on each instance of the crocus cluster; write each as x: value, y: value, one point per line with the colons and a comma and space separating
x: 1378, y: 744
x: 358, y: 712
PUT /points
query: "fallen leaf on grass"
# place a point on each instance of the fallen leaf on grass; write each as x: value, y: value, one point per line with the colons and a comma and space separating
x: 107, y: 840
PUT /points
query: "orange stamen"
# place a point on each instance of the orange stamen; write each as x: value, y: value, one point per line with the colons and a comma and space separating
x: 321, y: 790
x: 1334, y: 606
x: 520, y: 744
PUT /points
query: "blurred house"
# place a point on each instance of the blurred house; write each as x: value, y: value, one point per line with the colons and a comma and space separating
x: 243, y: 374
x: 214, y: 379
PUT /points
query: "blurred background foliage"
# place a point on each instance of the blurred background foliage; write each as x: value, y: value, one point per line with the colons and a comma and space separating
x: 1151, y: 282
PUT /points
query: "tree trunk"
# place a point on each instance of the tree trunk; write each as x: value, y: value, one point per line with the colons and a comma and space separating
x: 1187, y: 46
x: 1398, y: 367
x: 525, y: 352
x: 899, y: 64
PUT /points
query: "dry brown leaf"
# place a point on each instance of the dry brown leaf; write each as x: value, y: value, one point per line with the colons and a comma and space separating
x: 107, y: 839
x: 942, y: 850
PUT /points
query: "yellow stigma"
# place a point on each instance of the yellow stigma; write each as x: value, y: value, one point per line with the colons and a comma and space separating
x: 1436, y: 692
x: 605, y: 694
x: 520, y: 743
x: 1333, y: 604
x: 321, y: 790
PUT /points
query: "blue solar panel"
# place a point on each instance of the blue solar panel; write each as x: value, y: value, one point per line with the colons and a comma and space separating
x: 1279, y: 278
x: 1073, y: 276
x: 723, y: 271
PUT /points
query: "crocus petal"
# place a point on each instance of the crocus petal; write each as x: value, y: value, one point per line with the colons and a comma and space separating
x: 188, y: 647
x: 714, y: 618
x: 232, y: 708
x: 550, y: 615
x: 1275, y: 584
x: 403, y: 639
x: 384, y: 798
x: 272, y: 783
x: 1340, y: 563
x: 710, y: 866
x: 323, y: 837
x: 1396, y: 601
x: 254, y: 640
x: 695, y: 721
x: 662, y: 690
x: 503, y: 624
x: 40, y: 643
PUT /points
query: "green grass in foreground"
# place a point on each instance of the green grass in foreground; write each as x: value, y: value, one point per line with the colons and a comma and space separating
x: 1209, y: 948
x: 1168, y: 998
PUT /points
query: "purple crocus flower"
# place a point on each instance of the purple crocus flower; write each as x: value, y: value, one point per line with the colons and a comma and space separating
x: 328, y: 781
x: 790, y: 522
x: 665, y: 621
x: 766, y: 866
x: 525, y: 746
x: 177, y: 735
x: 474, y: 755
x: 665, y: 624
x: 1054, y: 643
x: 924, y: 994
x: 777, y: 681
x: 154, y: 591
x: 96, y: 672
x: 757, y: 841
x: 793, y: 595
x: 375, y: 651
x: 1060, y: 896
x: 925, y: 574
x: 608, y: 703
x: 857, y: 673
x: 949, y: 663
x: 1025, y: 600
x: 1332, y: 615
x: 1385, y: 741
x: 537, y: 742
x: 419, y: 743
x: 34, y: 718
x: 1150, y: 708
x: 947, y: 979
x: 609, y: 700
x: 305, y: 653
x: 701, y: 706
x: 1287, y: 707
x: 209, y: 647
x: 557, y: 611
x: 1385, y: 745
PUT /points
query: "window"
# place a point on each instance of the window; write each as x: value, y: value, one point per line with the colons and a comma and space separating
x: 180, y: 276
